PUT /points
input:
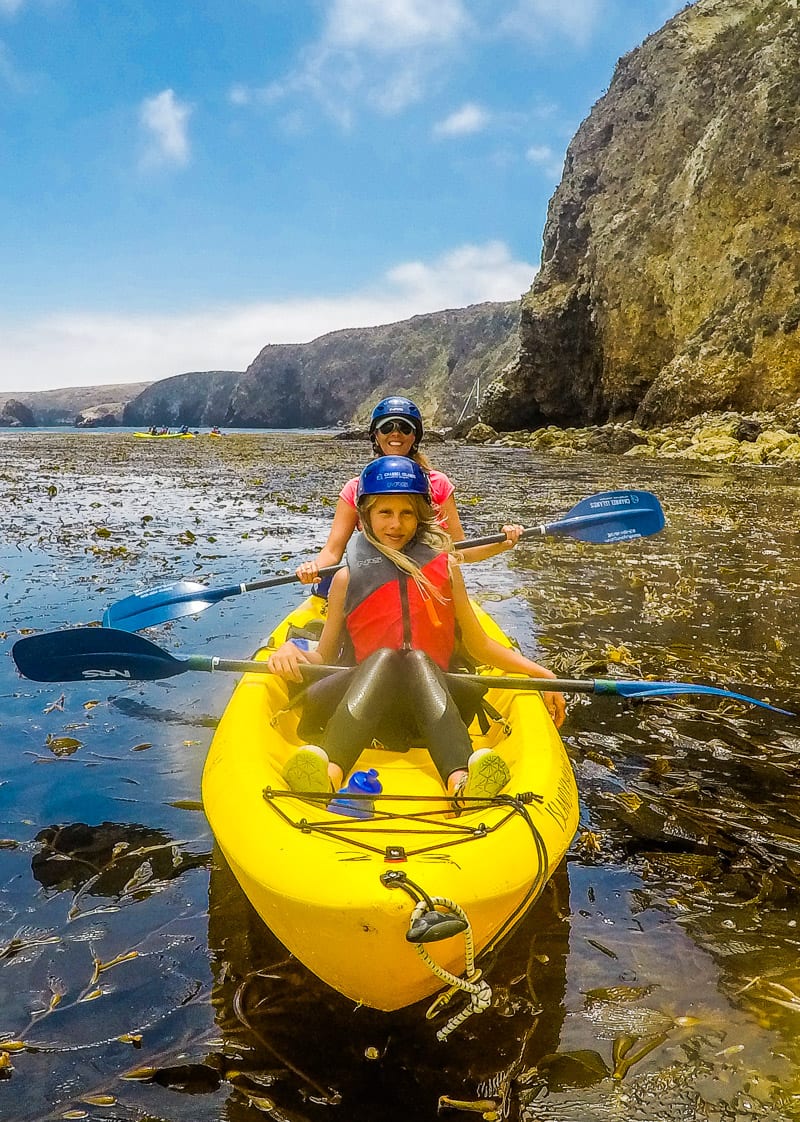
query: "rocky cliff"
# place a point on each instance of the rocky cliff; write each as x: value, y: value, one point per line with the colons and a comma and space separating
x: 198, y: 398
x: 437, y: 359
x: 670, y: 278
x: 15, y: 414
x: 75, y: 405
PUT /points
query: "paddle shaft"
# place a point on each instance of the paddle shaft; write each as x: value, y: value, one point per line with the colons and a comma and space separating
x: 83, y: 654
x: 607, y: 518
x: 209, y: 663
x: 212, y: 664
x: 562, y: 528
x: 610, y: 687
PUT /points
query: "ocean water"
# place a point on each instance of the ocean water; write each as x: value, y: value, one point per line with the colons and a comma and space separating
x: 656, y: 979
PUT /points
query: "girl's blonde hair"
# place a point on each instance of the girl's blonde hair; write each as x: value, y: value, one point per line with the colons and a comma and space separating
x: 429, y: 533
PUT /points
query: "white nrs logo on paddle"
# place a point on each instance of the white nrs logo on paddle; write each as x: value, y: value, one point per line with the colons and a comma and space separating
x: 106, y: 674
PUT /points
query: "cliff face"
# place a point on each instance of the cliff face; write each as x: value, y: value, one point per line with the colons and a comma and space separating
x: 670, y: 279
x: 435, y: 359
x: 69, y: 406
x: 14, y: 413
x: 199, y: 398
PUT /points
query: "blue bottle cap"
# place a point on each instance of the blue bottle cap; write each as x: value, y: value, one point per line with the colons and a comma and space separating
x: 361, y: 783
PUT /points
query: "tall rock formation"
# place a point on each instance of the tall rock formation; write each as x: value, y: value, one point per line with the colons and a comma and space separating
x: 14, y: 413
x: 436, y: 359
x: 197, y: 398
x: 670, y: 278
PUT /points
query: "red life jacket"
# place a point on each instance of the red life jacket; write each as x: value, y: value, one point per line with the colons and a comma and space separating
x: 384, y: 607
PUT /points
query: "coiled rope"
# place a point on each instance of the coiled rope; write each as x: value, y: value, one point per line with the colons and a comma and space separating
x: 478, y: 989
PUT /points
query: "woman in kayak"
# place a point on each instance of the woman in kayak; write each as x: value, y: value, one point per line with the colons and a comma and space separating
x: 396, y: 429
x: 402, y: 607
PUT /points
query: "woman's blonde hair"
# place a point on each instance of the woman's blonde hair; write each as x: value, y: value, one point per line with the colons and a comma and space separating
x: 429, y: 533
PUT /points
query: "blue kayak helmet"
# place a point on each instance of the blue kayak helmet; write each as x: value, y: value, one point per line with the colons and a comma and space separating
x: 393, y: 475
x: 400, y: 407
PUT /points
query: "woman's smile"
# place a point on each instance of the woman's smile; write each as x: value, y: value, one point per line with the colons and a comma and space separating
x: 395, y: 443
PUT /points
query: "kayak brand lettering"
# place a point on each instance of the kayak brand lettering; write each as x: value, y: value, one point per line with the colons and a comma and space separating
x: 560, y: 806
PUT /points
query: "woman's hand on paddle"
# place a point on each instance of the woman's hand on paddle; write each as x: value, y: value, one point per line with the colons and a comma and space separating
x: 512, y: 533
x: 307, y: 572
x: 345, y: 521
x: 286, y: 662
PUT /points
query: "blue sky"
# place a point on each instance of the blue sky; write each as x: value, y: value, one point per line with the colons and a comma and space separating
x: 184, y: 181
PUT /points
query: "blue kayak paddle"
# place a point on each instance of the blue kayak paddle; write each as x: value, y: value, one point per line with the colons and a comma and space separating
x: 86, y: 654
x: 605, y: 519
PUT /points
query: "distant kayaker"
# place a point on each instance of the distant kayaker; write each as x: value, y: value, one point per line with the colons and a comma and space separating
x: 402, y: 608
x: 396, y: 429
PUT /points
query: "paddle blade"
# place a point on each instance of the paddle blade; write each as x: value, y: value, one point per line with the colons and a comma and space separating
x: 160, y: 605
x: 612, y: 516
x: 90, y: 654
x: 671, y: 689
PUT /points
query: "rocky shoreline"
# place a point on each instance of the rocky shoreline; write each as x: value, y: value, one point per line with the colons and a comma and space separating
x: 723, y: 437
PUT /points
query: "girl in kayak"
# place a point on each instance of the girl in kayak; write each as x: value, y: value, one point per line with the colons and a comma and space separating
x: 396, y: 429
x: 402, y: 607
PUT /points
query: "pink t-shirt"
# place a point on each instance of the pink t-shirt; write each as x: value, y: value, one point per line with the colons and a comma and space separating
x: 441, y: 490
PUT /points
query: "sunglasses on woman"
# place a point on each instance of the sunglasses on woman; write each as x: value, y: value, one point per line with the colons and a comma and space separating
x: 395, y: 424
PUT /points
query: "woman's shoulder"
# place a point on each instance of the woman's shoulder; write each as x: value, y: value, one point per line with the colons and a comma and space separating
x: 442, y: 487
x: 349, y: 491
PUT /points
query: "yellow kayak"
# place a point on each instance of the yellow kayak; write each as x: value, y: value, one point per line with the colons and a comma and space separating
x: 342, y: 892
x: 164, y: 435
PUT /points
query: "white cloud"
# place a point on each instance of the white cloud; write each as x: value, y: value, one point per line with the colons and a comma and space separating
x: 378, y: 54
x: 544, y: 157
x: 541, y: 19
x: 466, y: 275
x: 390, y: 26
x: 79, y: 349
x: 165, y: 121
x: 239, y: 94
x: 470, y: 118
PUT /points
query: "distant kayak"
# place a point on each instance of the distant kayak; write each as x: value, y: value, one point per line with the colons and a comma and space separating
x: 165, y: 435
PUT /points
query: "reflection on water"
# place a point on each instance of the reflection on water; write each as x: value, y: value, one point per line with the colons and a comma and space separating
x: 658, y: 977
x: 371, y: 1064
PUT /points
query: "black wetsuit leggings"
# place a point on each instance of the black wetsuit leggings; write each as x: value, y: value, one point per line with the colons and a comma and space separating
x: 400, y: 698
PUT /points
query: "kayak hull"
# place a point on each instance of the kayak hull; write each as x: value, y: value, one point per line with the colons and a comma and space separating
x: 318, y: 879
